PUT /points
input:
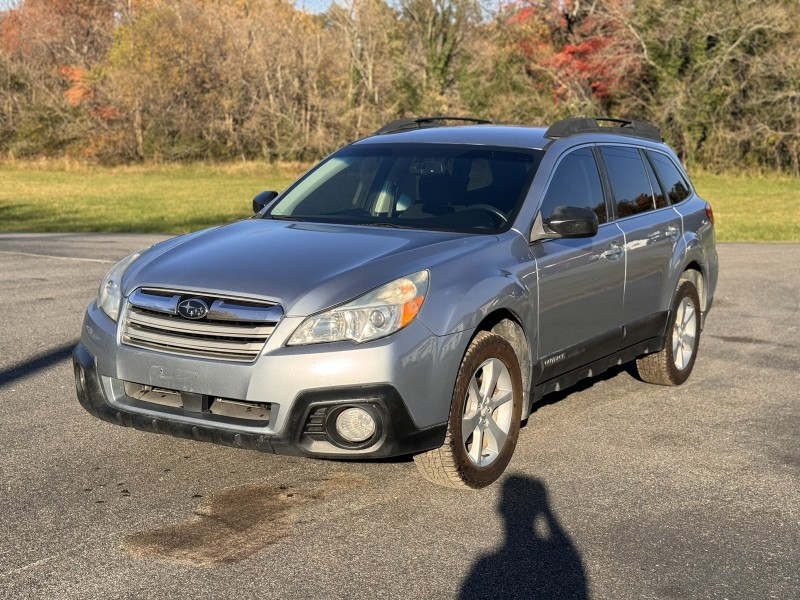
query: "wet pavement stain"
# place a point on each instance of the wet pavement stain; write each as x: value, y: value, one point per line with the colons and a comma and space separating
x: 235, y: 523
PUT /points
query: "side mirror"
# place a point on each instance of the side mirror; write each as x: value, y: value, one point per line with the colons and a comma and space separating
x: 262, y: 199
x: 573, y: 222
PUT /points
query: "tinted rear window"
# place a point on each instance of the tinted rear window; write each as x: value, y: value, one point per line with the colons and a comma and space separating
x: 629, y: 180
x: 658, y: 192
x: 674, y: 183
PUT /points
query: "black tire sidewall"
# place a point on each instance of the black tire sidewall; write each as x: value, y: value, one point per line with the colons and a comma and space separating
x: 483, y: 347
x: 686, y: 289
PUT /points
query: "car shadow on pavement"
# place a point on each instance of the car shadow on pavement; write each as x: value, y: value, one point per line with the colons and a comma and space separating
x: 36, y: 363
x: 538, y: 558
x: 583, y: 385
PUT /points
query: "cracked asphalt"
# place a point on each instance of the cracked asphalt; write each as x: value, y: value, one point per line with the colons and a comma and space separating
x: 617, y: 489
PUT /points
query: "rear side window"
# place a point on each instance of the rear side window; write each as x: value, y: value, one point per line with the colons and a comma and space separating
x: 576, y: 182
x: 629, y: 180
x: 658, y: 193
x: 674, y: 183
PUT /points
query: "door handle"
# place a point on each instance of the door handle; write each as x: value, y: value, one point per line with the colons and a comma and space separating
x: 613, y: 251
x: 672, y: 232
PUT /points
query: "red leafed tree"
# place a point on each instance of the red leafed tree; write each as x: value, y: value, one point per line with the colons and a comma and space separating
x: 586, y: 52
x: 79, y: 90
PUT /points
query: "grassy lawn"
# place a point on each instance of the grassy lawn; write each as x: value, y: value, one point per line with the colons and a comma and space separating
x: 153, y: 199
x: 61, y: 197
x: 752, y: 209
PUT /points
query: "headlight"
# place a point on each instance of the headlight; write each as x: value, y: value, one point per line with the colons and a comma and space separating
x: 374, y: 315
x: 109, y: 295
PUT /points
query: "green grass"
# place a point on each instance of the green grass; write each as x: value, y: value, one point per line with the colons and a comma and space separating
x: 752, y: 209
x: 157, y: 199
x: 64, y: 197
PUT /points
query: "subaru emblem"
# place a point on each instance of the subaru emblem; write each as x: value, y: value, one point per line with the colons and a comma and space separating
x: 193, y: 308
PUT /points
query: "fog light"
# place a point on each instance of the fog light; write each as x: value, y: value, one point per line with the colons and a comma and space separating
x: 355, y: 425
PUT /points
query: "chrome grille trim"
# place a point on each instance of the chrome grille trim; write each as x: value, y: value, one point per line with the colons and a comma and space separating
x: 156, y: 302
x: 234, y: 329
x: 205, y: 328
x: 224, y: 310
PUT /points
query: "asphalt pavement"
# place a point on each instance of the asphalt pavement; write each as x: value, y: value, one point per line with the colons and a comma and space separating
x: 618, y: 489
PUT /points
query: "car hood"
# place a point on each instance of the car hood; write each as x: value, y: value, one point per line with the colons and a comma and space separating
x: 305, y: 267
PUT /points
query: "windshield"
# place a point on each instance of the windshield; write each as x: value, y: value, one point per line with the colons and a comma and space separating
x: 422, y: 186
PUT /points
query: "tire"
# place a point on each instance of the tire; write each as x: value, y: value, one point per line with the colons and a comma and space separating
x: 674, y: 364
x: 484, y: 421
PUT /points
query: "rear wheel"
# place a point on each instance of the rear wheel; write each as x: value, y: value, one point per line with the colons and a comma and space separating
x: 484, y: 418
x: 674, y: 364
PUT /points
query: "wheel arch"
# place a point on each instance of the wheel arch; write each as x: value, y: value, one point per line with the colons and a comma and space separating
x: 694, y: 273
x: 689, y: 262
x: 506, y: 324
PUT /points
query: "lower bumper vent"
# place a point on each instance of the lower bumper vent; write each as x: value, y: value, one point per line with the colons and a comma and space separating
x: 174, y: 401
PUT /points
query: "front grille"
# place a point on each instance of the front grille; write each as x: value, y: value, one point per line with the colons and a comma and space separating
x: 233, y: 329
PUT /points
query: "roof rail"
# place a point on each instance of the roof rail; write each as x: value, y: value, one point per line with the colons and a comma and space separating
x: 422, y: 122
x: 575, y: 125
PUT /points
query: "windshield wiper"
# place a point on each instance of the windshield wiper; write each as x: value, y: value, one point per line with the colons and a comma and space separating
x: 386, y: 224
x: 282, y: 218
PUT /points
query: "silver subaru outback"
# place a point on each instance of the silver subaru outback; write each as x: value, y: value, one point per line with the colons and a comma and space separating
x: 417, y: 292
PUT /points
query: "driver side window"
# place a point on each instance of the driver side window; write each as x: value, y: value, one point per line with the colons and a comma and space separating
x: 576, y: 182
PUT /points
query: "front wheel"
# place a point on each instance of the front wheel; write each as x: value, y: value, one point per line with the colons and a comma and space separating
x: 484, y: 418
x: 674, y: 364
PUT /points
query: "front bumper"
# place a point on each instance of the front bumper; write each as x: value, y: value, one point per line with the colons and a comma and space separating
x: 405, y: 381
x: 397, y: 432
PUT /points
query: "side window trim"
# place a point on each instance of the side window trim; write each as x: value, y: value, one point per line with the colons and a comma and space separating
x: 605, y: 180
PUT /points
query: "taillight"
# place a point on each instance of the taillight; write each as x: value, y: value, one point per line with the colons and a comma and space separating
x: 709, y: 213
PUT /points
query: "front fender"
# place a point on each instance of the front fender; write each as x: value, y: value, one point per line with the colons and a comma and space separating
x: 465, y: 306
x: 464, y: 293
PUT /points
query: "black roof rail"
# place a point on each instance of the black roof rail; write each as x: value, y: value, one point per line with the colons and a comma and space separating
x: 422, y: 122
x: 575, y: 125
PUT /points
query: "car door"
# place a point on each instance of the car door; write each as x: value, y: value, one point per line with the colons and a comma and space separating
x: 652, y: 230
x: 580, y: 281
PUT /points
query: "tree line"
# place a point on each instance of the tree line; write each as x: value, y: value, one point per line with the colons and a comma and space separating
x: 128, y: 80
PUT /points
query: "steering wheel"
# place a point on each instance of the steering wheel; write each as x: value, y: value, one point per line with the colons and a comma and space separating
x: 490, y: 209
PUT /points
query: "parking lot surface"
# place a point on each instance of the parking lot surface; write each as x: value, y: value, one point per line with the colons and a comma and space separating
x: 618, y: 489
